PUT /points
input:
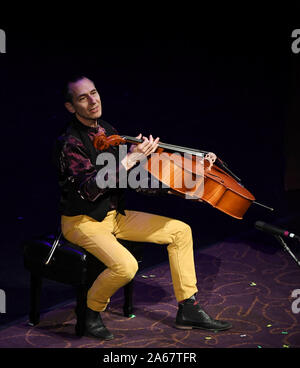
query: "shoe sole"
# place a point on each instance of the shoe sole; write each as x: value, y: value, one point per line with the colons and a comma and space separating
x: 99, y: 337
x: 180, y: 327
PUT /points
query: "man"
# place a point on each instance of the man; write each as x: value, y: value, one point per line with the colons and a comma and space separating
x: 93, y: 216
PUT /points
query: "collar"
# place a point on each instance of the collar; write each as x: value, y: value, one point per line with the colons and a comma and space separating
x: 83, y: 127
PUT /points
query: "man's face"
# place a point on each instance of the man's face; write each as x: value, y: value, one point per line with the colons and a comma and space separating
x: 86, y: 101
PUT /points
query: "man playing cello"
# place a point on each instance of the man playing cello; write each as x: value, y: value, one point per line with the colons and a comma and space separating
x: 94, y: 217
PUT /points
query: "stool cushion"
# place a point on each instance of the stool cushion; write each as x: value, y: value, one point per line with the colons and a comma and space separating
x: 68, y: 265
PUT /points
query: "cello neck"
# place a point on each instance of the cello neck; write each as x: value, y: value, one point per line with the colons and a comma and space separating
x: 191, y: 151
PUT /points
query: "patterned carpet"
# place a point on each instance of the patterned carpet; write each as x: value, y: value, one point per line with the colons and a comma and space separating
x: 247, y: 282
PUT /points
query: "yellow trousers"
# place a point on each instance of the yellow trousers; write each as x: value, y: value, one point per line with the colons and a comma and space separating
x: 100, y: 239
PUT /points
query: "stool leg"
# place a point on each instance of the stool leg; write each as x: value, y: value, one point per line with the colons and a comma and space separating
x: 81, y: 309
x: 35, y: 296
x: 128, y: 296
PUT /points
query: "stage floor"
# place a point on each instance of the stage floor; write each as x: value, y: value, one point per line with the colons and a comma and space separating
x: 247, y: 280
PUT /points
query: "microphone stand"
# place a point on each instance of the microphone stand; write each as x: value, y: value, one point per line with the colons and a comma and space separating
x: 286, y: 248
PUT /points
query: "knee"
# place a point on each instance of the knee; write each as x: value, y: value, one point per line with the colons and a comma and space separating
x: 181, y: 234
x: 183, y: 229
x: 128, y: 269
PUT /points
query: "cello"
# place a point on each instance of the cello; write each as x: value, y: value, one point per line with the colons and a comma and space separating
x: 212, y: 181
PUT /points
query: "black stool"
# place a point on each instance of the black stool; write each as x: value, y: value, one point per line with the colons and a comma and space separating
x: 71, y: 265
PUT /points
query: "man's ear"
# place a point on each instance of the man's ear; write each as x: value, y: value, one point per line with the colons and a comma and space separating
x: 69, y: 107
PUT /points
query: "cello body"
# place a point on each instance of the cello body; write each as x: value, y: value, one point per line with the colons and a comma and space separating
x: 191, y: 176
x: 195, y: 179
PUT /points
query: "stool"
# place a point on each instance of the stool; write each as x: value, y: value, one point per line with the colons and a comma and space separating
x: 70, y: 265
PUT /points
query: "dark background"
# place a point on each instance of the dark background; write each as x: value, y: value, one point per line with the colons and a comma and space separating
x: 229, y: 86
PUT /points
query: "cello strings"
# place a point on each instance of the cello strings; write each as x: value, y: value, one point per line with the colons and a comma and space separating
x: 168, y: 146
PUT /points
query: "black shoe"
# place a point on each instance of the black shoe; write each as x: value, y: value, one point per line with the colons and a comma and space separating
x: 94, y: 326
x: 191, y: 315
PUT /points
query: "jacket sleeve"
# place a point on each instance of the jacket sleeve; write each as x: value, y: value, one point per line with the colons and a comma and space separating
x: 76, y: 167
